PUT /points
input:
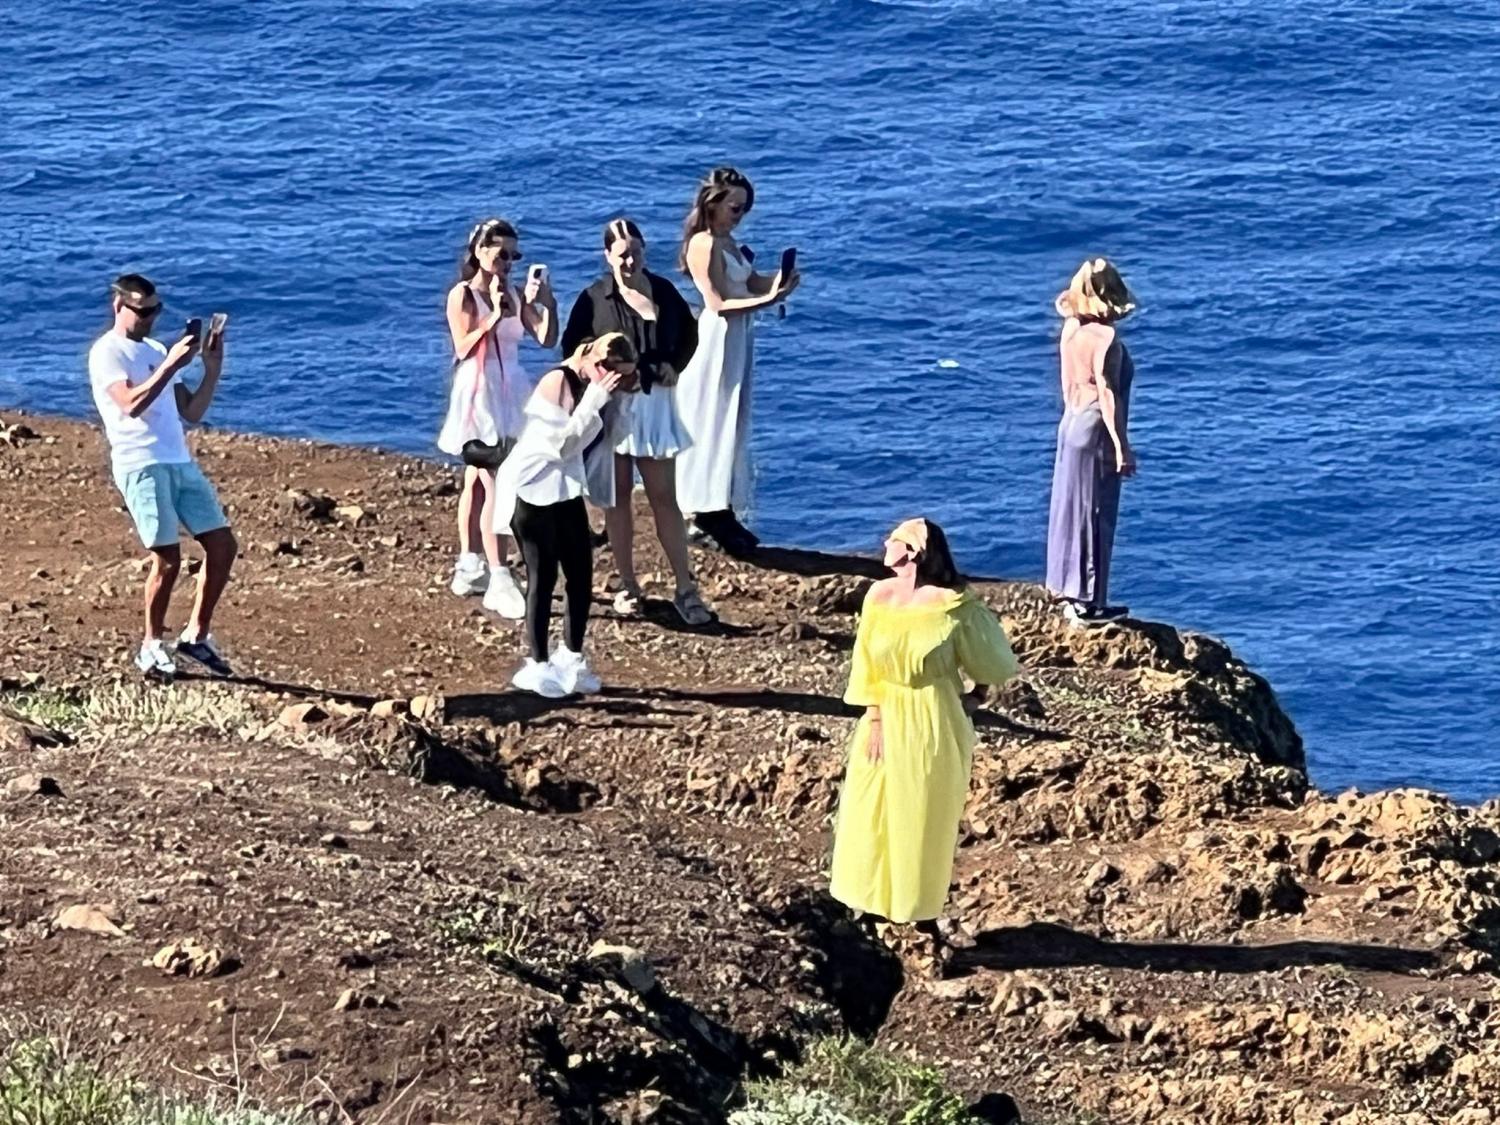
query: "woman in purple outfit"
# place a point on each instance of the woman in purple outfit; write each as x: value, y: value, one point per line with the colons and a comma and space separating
x: 1093, y: 446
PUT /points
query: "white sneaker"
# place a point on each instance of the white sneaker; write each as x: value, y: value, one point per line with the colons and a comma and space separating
x: 504, y: 596
x: 154, y: 661
x: 539, y: 679
x: 573, y: 672
x: 470, y: 576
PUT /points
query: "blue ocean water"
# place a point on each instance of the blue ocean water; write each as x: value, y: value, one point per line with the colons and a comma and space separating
x: 1302, y: 195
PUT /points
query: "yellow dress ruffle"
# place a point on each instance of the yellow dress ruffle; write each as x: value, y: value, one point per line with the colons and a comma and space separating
x: 897, y: 825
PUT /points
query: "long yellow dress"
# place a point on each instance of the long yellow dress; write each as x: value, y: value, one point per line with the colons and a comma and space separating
x: 897, y: 826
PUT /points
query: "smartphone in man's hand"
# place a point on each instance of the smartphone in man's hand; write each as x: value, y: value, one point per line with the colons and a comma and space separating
x: 216, y: 325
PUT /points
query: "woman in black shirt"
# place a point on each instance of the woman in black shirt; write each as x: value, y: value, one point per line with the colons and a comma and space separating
x: 650, y: 311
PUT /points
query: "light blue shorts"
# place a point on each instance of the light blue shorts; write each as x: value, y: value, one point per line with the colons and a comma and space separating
x: 160, y: 497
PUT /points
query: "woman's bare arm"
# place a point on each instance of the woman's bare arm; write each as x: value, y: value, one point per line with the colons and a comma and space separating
x: 707, y: 269
x: 1109, y: 405
x: 465, y: 324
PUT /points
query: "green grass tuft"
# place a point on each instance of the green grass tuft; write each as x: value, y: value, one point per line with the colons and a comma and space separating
x: 848, y: 1082
x: 59, y: 710
x: 41, y: 1083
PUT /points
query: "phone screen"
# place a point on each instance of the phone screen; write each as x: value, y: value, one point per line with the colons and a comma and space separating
x: 217, y: 323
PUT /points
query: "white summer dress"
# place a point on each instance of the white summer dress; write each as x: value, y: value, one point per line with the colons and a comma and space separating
x: 487, y: 402
x: 713, y: 400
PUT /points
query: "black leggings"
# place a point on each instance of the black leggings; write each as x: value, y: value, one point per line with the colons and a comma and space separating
x: 553, y: 535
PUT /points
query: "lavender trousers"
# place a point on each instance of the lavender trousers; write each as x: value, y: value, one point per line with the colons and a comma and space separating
x: 1085, y: 508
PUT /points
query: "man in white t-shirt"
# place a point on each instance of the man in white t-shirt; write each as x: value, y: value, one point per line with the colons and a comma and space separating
x: 142, y: 400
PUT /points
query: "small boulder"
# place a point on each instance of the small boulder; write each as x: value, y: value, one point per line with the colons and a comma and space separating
x: 633, y: 968
x: 352, y: 999
x: 33, y: 785
x: 429, y: 708
x: 390, y: 708
x: 22, y: 735
x: 302, y: 716
x: 91, y: 918
x: 191, y: 958
x: 1102, y: 874
x: 309, y: 505
x: 355, y: 515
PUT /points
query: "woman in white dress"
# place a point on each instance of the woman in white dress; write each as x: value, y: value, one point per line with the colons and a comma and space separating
x: 487, y: 402
x: 649, y: 311
x: 714, y: 475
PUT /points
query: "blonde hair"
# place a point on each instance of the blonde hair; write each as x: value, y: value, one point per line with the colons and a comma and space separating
x: 1097, y: 290
x: 613, y: 349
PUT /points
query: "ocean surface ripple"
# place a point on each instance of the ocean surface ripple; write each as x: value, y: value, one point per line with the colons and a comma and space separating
x: 1302, y: 195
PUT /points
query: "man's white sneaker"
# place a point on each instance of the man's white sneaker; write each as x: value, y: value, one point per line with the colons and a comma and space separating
x: 154, y: 661
x: 573, y: 672
x: 504, y: 596
x: 470, y: 576
x: 539, y: 679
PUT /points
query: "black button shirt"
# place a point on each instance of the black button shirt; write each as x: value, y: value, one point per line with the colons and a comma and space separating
x: 671, y: 338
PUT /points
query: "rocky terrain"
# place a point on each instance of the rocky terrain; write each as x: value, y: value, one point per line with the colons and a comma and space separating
x: 364, y: 878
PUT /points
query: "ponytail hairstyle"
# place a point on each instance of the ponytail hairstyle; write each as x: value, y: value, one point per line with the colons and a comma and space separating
x: 613, y: 350
x: 488, y: 233
x: 1097, y: 292
x: 621, y: 229
x: 711, y: 192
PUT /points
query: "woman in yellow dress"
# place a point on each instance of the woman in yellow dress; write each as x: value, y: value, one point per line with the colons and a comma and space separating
x: 908, y: 772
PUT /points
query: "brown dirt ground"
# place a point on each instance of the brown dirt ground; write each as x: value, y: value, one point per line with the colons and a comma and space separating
x: 1142, y: 869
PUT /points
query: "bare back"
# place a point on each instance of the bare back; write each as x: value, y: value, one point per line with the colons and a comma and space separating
x: 1083, y: 352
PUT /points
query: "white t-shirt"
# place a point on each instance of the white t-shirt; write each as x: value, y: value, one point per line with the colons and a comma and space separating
x: 154, y: 438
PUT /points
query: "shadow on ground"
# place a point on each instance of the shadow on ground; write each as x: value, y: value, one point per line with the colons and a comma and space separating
x: 1046, y: 945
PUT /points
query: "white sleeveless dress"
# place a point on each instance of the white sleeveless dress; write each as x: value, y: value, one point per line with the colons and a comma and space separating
x: 490, y: 388
x: 713, y: 400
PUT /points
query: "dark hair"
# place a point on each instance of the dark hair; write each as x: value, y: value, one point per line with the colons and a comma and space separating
x: 613, y: 228
x: 935, y: 566
x: 487, y: 233
x: 132, y: 284
x: 711, y: 192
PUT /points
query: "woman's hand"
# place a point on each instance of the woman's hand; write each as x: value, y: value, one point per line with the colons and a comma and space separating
x: 666, y: 375
x: 609, y: 380
x: 499, y: 298
x: 1125, y: 461
x: 538, y: 288
x: 875, y: 744
x: 782, y: 286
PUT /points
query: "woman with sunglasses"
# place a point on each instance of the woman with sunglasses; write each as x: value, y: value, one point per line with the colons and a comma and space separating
x: 486, y: 406
x: 647, y: 308
x: 539, y: 496
x: 714, y: 476
x: 920, y: 632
